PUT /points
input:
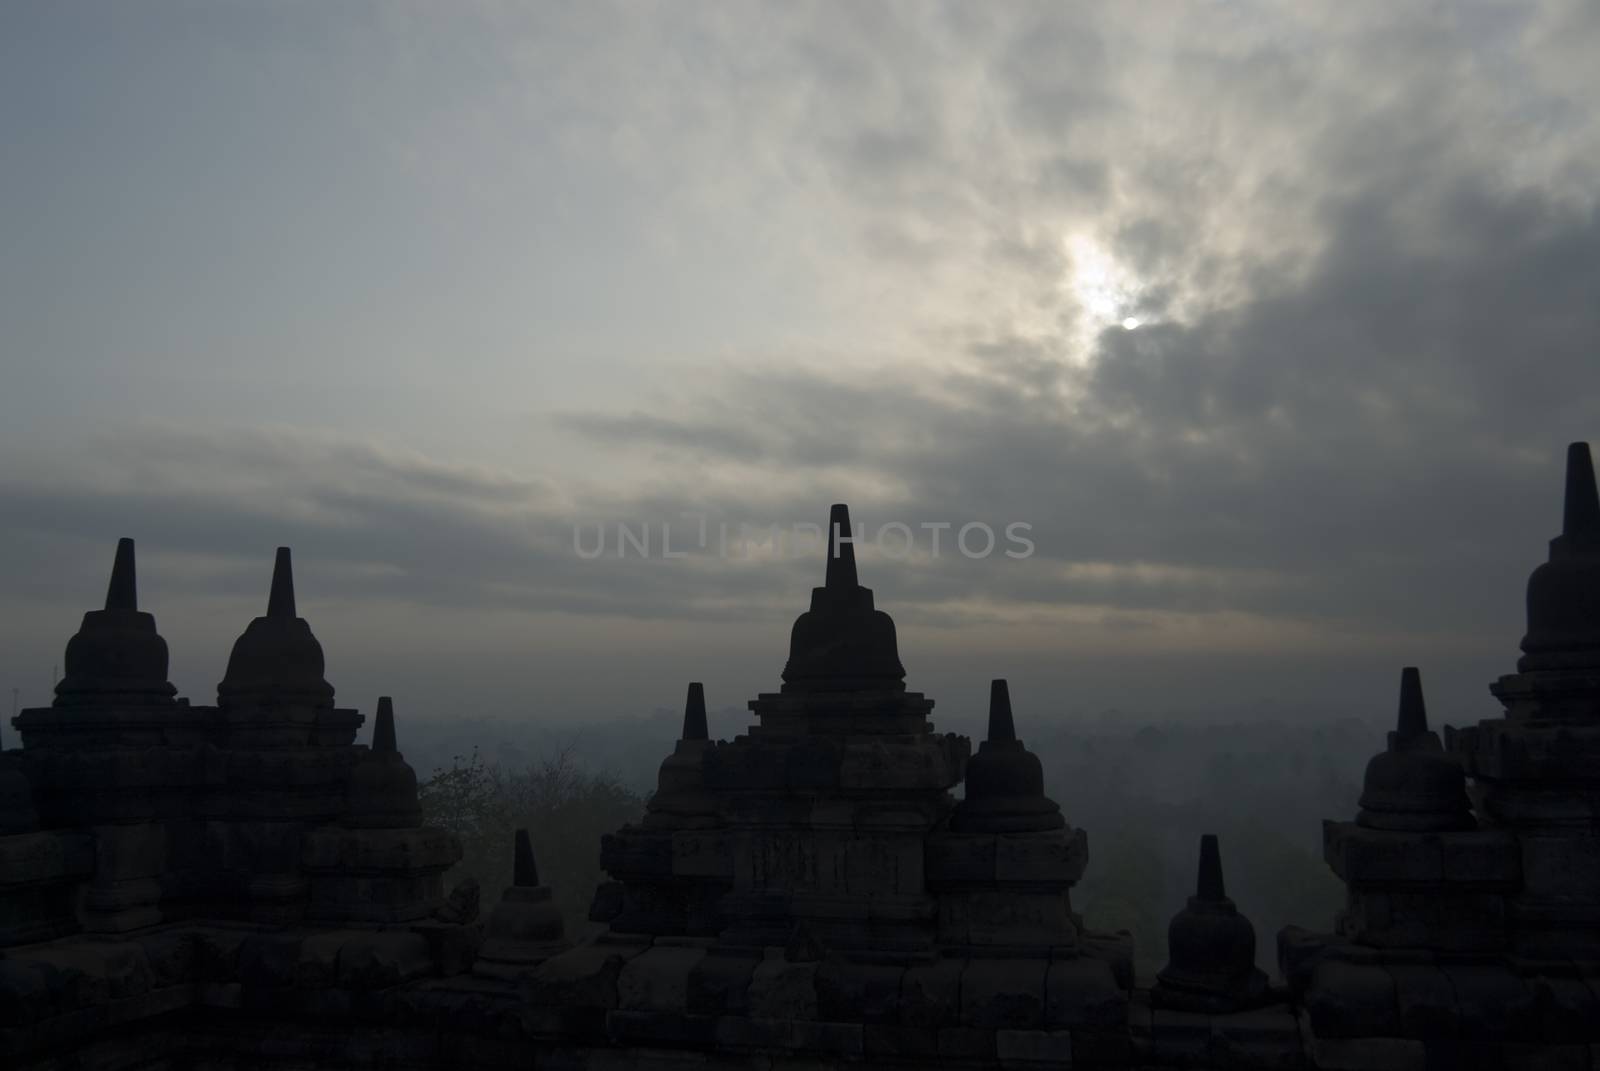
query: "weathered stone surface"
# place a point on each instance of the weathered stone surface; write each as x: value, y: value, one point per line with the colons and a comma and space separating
x: 783, y: 990
x: 1349, y: 1000
x: 1083, y: 992
x: 1008, y: 993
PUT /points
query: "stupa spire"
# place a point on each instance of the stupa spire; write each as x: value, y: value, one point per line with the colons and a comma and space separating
x: 1208, y: 884
x: 116, y: 655
x: 842, y: 644
x: 1413, y: 718
x: 276, y: 660
x: 1001, y: 724
x: 524, y: 872
x: 123, y: 591
x: 383, y: 738
x: 1581, y: 512
x: 841, y: 552
x: 280, y: 603
x: 694, y: 713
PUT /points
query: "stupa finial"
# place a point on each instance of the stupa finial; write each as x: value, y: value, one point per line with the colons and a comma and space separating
x: 1413, y: 718
x: 694, y: 713
x: 841, y: 552
x: 1208, y: 885
x: 383, y: 738
x: 281, y: 602
x: 1001, y: 724
x: 525, y: 872
x: 1581, y: 512
x: 123, y: 591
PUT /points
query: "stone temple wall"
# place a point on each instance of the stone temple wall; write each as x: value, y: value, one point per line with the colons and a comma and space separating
x: 242, y: 886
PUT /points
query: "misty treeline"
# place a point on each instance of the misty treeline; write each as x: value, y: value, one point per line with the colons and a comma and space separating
x: 1145, y: 794
x: 565, y: 807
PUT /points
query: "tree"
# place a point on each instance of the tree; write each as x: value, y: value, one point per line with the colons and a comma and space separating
x: 564, y: 807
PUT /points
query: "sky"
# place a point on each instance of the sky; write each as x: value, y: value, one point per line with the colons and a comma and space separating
x: 1268, y: 324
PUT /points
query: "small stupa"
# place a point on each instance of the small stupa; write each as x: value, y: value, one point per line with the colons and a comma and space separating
x: 842, y: 643
x: 1005, y: 781
x: 1212, y: 948
x: 117, y: 658
x: 383, y: 786
x: 671, y: 869
x: 1413, y: 785
x: 1564, y: 592
x: 525, y: 927
x: 276, y: 661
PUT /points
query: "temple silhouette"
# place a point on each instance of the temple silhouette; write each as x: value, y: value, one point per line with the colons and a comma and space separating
x: 243, y: 886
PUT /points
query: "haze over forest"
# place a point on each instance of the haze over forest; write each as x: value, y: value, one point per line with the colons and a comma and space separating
x: 1270, y: 321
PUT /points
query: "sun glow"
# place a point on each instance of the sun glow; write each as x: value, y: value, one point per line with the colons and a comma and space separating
x: 1105, y: 290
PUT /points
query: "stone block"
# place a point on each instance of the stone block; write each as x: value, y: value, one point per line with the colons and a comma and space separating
x: 719, y: 984
x: 846, y: 1040
x: 582, y: 977
x: 1004, y: 993
x: 1495, y: 1003
x: 1449, y: 920
x: 658, y: 979
x: 270, y: 960
x: 1033, y: 1048
x: 379, y: 851
x: 128, y: 852
x: 384, y: 958
x: 957, y: 1043
x: 1352, y: 1000
x: 1180, y: 1038
x: 1569, y: 1009
x: 1486, y: 858
x: 1299, y: 952
x: 1056, y: 857
x: 1101, y: 1048
x: 1369, y: 1054
x: 814, y: 763
x: 318, y: 963
x: 1426, y: 1001
x: 699, y: 853
x: 1364, y: 856
x: 740, y: 1033
x: 1544, y: 1056
x: 858, y: 992
x: 951, y: 858
x: 1263, y: 1038
x: 660, y: 1027
x: 451, y: 946
x: 25, y: 994
x: 1083, y: 992
x: 49, y: 856
x: 169, y: 956
x: 930, y: 993
x: 885, y: 1043
x: 1115, y: 950
x: 217, y: 953
x: 1560, y: 866
x: 783, y: 990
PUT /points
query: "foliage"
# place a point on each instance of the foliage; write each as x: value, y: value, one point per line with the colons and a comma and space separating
x: 565, y: 808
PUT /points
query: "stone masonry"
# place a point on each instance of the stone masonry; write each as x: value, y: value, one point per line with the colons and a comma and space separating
x: 243, y: 886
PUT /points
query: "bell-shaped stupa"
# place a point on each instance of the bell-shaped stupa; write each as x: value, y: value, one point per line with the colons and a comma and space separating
x: 1413, y: 785
x: 525, y: 928
x: 842, y: 643
x: 1005, y: 782
x: 383, y: 786
x: 276, y: 661
x: 1212, y: 948
x: 117, y: 658
x: 1564, y: 593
